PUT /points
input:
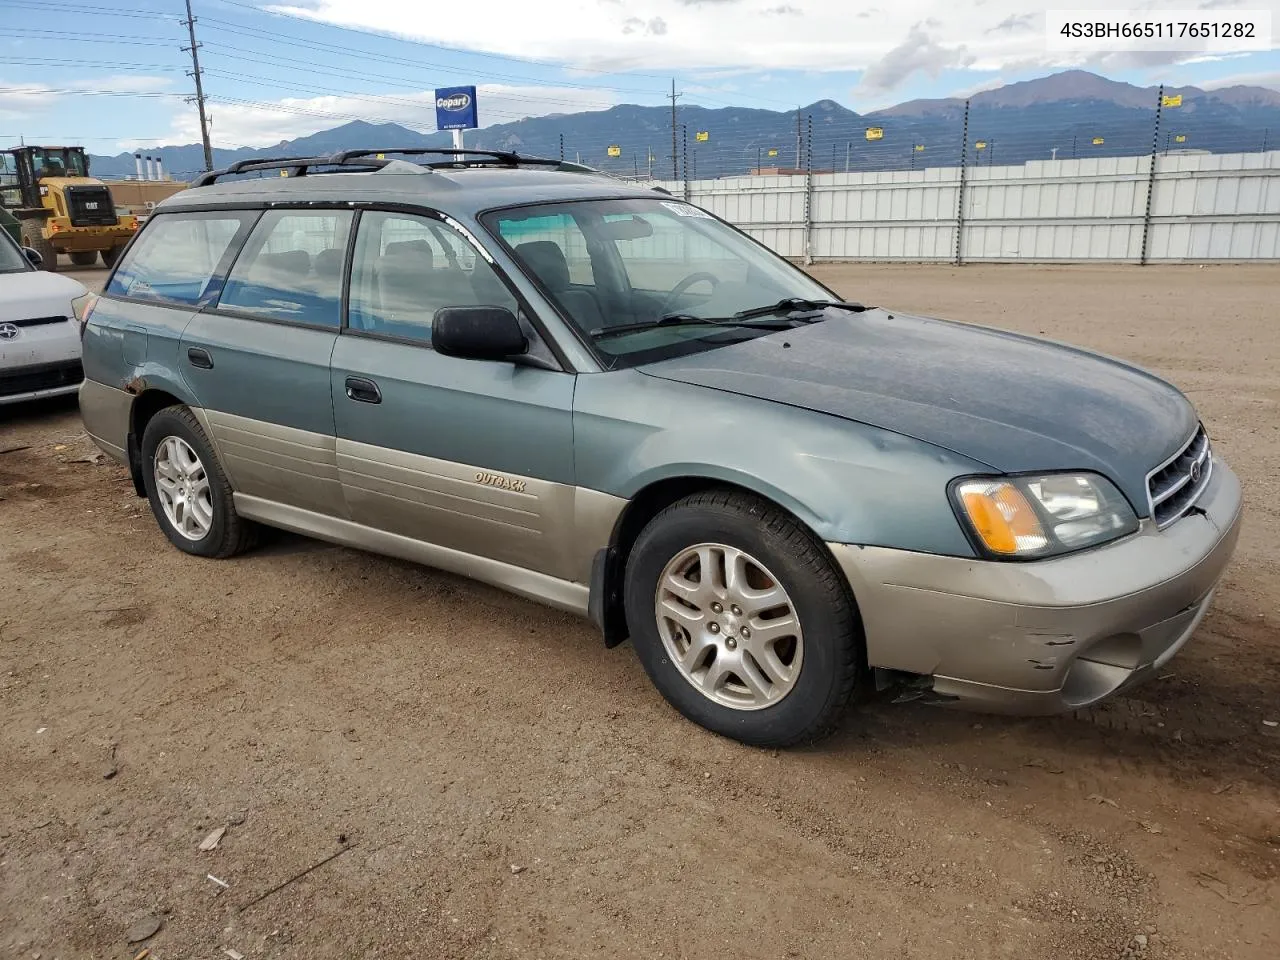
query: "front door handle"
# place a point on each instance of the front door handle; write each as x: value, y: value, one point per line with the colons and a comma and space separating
x: 363, y: 391
x: 199, y: 357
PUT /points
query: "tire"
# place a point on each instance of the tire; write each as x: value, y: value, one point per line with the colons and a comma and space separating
x: 813, y: 673
x: 110, y: 256
x: 33, y: 238
x: 84, y: 258
x: 224, y: 532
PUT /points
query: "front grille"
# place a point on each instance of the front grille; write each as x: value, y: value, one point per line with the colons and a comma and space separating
x: 1175, y: 487
x: 45, y: 376
x: 37, y: 321
x: 90, y: 207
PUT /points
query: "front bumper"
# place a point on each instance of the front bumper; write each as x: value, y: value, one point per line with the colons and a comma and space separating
x: 1046, y: 636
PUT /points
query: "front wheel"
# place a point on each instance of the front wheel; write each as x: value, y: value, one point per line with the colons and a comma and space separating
x: 111, y: 255
x: 188, y: 492
x: 33, y: 237
x: 741, y: 620
x: 84, y: 258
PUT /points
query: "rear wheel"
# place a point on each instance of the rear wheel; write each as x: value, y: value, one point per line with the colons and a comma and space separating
x: 84, y: 258
x: 109, y: 257
x: 741, y: 621
x: 33, y: 238
x: 188, y: 492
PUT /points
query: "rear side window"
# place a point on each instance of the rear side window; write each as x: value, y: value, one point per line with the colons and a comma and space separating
x: 291, y: 268
x: 177, y: 256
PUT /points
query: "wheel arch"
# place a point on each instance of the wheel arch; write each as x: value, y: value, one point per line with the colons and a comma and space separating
x: 146, y: 405
x: 606, y: 606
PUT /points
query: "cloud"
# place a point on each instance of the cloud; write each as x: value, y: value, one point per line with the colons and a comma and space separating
x: 1266, y: 78
x: 1015, y: 21
x: 659, y: 36
x: 251, y: 125
x: 917, y: 52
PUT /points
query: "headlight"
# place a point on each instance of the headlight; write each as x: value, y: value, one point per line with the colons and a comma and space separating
x: 1042, y: 516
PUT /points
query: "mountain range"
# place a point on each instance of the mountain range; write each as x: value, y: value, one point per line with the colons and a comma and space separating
x: 1072, y: 113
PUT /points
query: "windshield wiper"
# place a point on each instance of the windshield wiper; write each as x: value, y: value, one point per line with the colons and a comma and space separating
x: 794, y: 304
x: 688, y: 320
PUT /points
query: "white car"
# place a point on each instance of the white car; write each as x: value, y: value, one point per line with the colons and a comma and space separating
x: 39, y: 336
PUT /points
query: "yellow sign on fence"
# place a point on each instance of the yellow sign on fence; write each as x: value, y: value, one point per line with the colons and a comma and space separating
x: 615, y: 151
x: 1097, y: 141
x: 919, y: 147
x: 773, y: 153
x: 1174, y: 100
x: 702, y: 136
x: 1180, y: 138
x: 875, y: 133
x: 980, y: 145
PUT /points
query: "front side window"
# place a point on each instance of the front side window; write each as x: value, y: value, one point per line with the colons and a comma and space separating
x: 658, y: 266
x: 176, y: 258
x: 408, y: 267
x: 291, y: 268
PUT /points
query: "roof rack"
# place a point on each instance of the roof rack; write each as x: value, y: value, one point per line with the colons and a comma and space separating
x: 375, y: 159
x: 299, y: 165
x: 458, y: 156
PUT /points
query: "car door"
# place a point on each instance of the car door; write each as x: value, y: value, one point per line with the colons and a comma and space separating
x: 474, y: 456
x: 258, y: 360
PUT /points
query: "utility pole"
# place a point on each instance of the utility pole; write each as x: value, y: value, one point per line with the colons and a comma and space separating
x: 195, y: 72
x: 1073, y: 148
x: 848, y: 149
x: 675, y: 153
x: 562, y: 146
x: 757, y: 161
x: 964, y: 159
x: 1265, y: 131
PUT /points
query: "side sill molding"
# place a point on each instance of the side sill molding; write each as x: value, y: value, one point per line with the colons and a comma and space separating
x: 562, y: 594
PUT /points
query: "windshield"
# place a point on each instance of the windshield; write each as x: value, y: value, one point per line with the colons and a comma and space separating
x: 12, y: 259
x: 609, y: 264
x: 58, y: 162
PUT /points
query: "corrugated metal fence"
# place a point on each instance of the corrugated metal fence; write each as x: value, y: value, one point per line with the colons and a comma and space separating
x: 1202, y: 207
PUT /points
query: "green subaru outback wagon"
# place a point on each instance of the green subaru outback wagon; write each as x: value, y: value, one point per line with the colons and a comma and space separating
x: 605, y: 399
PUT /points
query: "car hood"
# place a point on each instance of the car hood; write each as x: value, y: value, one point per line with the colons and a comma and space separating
x: 36, y: 293
x: 1013, y: 402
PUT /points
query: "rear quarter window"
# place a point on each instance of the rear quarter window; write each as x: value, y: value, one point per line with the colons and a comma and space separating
x: 178, y: 257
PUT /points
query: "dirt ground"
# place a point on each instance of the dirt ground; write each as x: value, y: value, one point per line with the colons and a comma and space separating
x: 490, y: 782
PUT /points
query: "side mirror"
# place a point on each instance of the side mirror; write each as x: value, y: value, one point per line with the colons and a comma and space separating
x: 33, y: 256
x: 477, y: 333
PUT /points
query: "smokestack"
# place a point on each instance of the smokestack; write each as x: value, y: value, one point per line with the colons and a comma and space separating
x: 159, y: 167
x: 151, y: 169
x: 137, y: 166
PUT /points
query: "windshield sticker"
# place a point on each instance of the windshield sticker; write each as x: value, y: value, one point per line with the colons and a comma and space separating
x: 686, y: 210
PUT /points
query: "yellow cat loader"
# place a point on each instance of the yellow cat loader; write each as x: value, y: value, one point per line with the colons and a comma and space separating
x: 60, y: 208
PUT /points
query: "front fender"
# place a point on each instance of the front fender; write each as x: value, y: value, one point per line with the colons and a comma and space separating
x: 848, y: 482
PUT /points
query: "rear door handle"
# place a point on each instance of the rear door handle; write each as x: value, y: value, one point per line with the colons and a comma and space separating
x: 363, y: 391
x: 199, y: 357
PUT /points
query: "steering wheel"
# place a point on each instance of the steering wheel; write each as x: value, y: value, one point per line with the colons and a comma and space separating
x: 679, y: 289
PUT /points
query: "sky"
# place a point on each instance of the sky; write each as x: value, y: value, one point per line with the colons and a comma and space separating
x: 113, y: 76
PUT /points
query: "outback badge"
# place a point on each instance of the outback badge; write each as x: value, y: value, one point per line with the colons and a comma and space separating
x: 497, y: 480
